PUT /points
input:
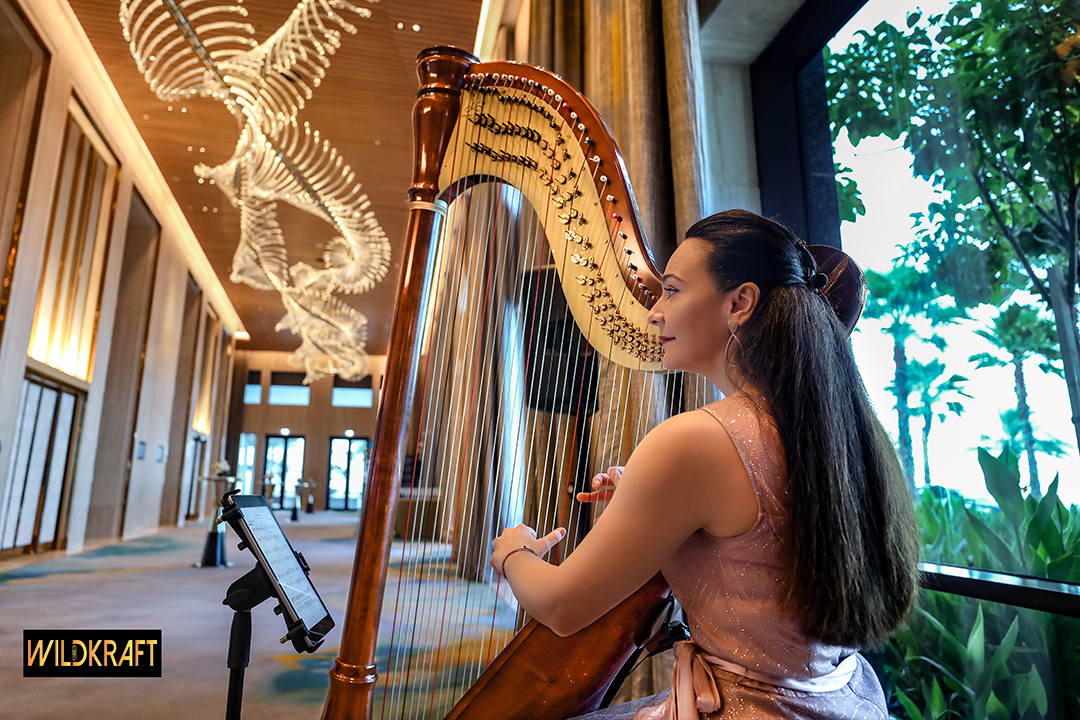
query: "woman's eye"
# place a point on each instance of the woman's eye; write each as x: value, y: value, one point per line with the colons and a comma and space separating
x: 669, y: 291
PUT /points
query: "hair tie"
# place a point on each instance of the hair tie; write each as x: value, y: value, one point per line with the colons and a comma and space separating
x: 814, y: 279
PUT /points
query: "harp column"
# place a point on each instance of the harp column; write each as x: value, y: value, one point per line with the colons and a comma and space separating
x: 352, y: 679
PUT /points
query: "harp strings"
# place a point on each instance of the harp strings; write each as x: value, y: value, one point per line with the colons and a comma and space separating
x: 487, y: 451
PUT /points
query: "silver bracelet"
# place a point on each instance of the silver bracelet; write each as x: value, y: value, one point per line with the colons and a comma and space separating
x: 526, y: 548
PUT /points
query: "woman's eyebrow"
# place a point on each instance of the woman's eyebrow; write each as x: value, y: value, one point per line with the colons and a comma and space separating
x: 670, y: 276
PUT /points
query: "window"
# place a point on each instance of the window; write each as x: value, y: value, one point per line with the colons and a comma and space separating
x: 959, y: 351
x: 352, y: 394
x: 39, y: 468
x: 288, y: 388
x: 245, y: 462
x: 283, y: 470
x: 915, y: 108
x: 253, y: 389
x: 348, y: 469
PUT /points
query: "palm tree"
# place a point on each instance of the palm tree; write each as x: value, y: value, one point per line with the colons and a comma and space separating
x: 1013, y: 437
x: 931, y: 388
x: 899, y: 297
x: 1019, y: 333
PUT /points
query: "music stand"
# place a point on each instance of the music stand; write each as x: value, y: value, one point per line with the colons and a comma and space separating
x: 281, y: 573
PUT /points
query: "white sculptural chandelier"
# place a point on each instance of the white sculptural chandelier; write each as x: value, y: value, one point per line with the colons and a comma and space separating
x: 189, y: 48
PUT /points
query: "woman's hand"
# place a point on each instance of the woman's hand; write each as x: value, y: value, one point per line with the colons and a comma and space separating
x: 522, y: 536
x: 604, y: 485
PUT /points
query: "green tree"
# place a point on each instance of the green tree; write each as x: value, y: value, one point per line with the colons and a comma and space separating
x: 987, y: 101
x: 899, y: 297
x: 1012, y: 438
x: 932, y: 390
x: 1017, y: 334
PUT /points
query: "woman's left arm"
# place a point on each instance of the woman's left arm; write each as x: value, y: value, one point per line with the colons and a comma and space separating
x: 675, y: 482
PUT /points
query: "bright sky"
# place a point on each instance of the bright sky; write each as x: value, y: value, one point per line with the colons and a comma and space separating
x: 883, y: 171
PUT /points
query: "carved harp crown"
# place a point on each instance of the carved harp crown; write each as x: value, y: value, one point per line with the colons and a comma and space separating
x: 510, y: 124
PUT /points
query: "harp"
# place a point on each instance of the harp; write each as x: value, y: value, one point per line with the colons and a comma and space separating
x: 520, y: 363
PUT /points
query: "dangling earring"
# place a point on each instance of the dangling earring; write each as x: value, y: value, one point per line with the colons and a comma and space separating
x: 733, y: 327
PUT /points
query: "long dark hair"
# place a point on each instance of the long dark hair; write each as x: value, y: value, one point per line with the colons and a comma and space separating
x: 853, y: 546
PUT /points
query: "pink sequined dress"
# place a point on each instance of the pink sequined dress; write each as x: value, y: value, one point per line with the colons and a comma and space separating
x: 731, y: 588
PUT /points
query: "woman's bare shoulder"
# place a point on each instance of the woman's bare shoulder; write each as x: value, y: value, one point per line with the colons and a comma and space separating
x: 691, y: 438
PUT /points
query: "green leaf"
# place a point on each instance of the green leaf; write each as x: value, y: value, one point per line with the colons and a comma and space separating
x: 976, y: 647
x: 993, y: 543
x: 995, y: 710
x: 996, y: 669
x: 1031, y: 691
x: 937, y: 701
x: 912, y: 709
x: 1041, y: 531
x: 1065, y: 568
x: 1004, y: 484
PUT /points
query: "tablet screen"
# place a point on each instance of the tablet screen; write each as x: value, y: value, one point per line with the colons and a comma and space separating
x: 279, y: 557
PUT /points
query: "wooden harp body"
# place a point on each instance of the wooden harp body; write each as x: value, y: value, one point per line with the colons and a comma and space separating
x: 480, y: 128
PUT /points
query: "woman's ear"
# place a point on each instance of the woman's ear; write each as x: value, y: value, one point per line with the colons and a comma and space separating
x: 744, y: 300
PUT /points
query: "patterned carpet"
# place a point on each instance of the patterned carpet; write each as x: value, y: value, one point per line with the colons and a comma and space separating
x: 150, y: 583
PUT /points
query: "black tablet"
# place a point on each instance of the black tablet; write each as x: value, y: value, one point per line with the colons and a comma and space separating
x: 305, y: 615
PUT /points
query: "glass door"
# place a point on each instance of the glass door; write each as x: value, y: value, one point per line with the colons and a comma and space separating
x: 348, y: 468
x: 245, y: 463
x: 283, y: 469
x: 39, y: 470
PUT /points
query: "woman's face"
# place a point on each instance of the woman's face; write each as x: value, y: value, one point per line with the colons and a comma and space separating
x: 691, y: 316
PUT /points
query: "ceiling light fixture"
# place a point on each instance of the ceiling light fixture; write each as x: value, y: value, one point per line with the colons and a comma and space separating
x: 277, y: 158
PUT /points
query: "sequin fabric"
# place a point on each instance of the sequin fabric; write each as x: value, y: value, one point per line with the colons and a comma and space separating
x: 731, y: 588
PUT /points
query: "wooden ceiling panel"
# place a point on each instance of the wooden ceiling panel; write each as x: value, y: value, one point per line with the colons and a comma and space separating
x: 363, y: 107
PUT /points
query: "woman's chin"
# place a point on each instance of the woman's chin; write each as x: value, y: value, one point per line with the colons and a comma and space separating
x: 670, y: 363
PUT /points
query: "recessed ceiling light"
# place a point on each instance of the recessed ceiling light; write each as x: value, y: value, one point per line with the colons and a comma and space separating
x: 401, y: 26
x: 416, y: 28
x: 183, y: 109
x: 204, y: 208
x: 201, y: 181
x: 215, y: 209
x: 169, y: 108
x: 145, y: 117
x: 189, y: 148
x: 202, y: 149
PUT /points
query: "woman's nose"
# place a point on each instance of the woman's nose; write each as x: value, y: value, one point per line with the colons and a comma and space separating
x: 655, y: 316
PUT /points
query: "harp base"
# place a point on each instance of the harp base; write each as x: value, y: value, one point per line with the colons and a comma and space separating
x: 352, y: 691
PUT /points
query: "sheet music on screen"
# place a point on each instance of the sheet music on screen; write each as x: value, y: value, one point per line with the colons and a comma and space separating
x: 287, y: 571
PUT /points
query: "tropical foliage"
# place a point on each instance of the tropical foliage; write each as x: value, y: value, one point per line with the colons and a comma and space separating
x: 963, y: 658
x: 1018, y: 333
x: 987, y: 100
x: 899, y: 298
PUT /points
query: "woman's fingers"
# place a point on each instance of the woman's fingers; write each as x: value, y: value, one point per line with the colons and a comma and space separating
x: 596, y: 496
x: 604, y: 485
x: 550, y: 540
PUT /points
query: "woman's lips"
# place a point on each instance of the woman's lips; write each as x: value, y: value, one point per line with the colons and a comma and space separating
x: 664, y: 339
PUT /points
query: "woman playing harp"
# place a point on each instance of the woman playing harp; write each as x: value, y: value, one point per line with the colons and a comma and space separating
x: 779, y: 515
